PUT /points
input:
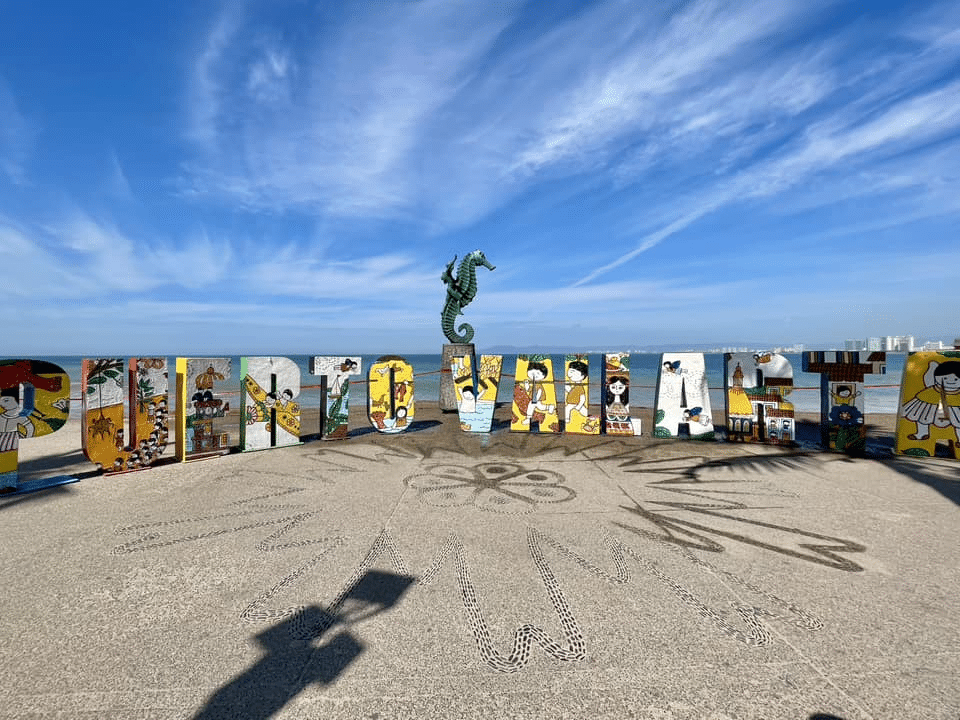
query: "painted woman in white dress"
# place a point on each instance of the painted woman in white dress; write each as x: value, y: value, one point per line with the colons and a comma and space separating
x: 942, y: 381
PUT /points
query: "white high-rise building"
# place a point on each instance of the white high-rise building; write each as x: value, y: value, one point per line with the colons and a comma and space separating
x: 875, y: 344
x: 906, y: 343
x: 853, y: 345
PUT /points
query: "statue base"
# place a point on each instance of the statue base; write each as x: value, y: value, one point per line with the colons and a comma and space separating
x: 448, y: 394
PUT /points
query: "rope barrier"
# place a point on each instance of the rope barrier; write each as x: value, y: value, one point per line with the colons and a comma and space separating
x: 507, y: 375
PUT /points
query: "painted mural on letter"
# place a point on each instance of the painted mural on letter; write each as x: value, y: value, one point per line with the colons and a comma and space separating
x: 201, y: 428
x: 102, y: 397
x: 682, y: 405
x: 270, y: 415
x: 616, y: 395
x: 757, y: 387
x: 534, y: 396
x: 335, y: 372
x: 929, y: 407
x: 390, y: 405
x: 842, y: 395
x: 34, y: 401
x: 577, y: 417
x: 476, y: 391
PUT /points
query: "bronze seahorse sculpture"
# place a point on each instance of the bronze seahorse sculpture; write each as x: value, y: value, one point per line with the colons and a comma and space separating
x: 460, y: 291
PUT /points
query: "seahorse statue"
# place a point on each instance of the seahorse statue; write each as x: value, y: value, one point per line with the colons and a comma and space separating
x: 460, y: 291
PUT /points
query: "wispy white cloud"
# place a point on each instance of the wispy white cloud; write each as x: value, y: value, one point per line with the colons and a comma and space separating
x: 118, y: 184
x: 844, y: 139
x: 405, y: 111
x: 344, y: 138
x: 87, y: 257
x: 206, y: 94
x: 626, y: 93
x: 15, y: 137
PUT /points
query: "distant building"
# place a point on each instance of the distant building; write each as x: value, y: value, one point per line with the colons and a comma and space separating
x: 875, y: 343
x: 906, y: 344
x: 854, y: 345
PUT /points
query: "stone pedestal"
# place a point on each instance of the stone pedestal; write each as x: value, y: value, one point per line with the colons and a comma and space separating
x: 448, y: 394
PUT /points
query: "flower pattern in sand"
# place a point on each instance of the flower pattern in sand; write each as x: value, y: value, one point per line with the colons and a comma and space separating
x: 500, y: 487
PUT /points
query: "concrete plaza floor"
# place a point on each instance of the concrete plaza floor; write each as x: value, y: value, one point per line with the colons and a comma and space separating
x: 437, y: 574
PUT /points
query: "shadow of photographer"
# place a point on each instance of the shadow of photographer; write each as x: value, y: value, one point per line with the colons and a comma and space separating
x: 292, y: 657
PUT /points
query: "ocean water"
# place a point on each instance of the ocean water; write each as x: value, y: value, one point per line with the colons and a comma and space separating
x: 880, y: 396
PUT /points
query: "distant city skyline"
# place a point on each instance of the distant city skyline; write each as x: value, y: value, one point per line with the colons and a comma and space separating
x: 259, y: 177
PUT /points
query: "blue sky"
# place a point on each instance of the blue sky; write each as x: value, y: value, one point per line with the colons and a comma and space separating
x: 293, y: 177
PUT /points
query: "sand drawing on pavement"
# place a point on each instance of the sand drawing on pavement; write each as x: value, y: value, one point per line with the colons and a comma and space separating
x: 717, y: 499
x: 501, y: 487
x: 716, y: 494
x: 751, y: 629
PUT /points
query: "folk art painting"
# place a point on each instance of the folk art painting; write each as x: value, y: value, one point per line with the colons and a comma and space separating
x: 102, y: 400
x: 390, y: 404
x: 682, y: 405
x: 270, y: 413
x: 534, y: 396
x: 335, y: 373
x: 757, y: 390
x: 34, y: 401
x: 201, y: 430
x: 929, y: 407
x: 476, y: 390
x: 616, y: 395
x: 842, y: 395
x: 576, y: 396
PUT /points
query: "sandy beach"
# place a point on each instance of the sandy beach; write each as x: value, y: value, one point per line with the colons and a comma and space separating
x: 440, y: 574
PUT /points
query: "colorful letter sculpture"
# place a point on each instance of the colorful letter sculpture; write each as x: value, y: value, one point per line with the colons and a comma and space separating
x: 200, y: 431
x: 841, y: 395
x: 476, y: 391
x: 269, y: 416
x: 577, y: 417
x: 335, y: 375
x: 147, y: 394
x: 929, y: 404
x: 534, y: 395
x: 616, y: 394
x: 34, y: 401
x: 683, y: 398
x: 757, y: 387
x: 390, y: 394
